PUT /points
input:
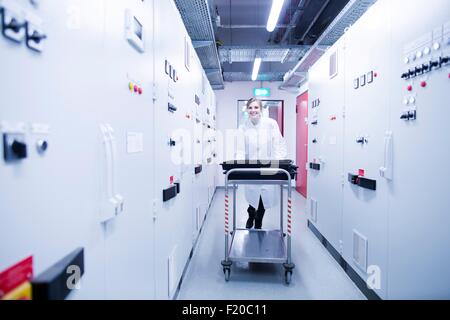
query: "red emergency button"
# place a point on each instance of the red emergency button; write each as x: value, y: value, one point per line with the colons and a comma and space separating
x: 140, y: 90
x: 409, y: 88
x: 423, y: 84
x: 135, y: 88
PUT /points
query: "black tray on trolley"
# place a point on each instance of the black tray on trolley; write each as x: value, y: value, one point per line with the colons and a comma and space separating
x: 258, y: 164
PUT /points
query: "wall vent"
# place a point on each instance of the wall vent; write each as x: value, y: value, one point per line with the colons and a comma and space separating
x: 313, y: 209
x: 171, y: 273
x: 360, y: 247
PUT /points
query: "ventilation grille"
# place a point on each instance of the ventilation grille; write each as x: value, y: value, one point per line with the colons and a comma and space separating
x: 313, y: 209
x: 360, y: 247
x: 171, y: 274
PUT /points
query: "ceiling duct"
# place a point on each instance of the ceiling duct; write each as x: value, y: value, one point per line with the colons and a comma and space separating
x: 198, y: 19
x: 294, y: 78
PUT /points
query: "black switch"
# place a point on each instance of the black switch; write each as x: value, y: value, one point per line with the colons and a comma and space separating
x: 425, y: 68
x: 409, y: 115
x: 443, y: 61
x: 367, y: 183
x: 36, y: 37
x: 405, y: 75
x: 20, y: 149
x: 412, y: 73
x: 418, y: 70
x: 14, y: 25
x: 169, y: 193
x: 314, y: 166
x: 171, y: 107
x: 14, y: 146
x: 434, y: 64
x: 53, y: 283
x: 353, y: 178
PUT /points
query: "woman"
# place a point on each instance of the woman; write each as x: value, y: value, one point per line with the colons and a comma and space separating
x: 262, y: 140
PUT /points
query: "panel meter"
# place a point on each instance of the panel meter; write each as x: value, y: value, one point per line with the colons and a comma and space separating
x: 134, y: 31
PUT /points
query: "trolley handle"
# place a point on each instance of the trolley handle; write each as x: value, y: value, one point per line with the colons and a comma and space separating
x: 268, y: 171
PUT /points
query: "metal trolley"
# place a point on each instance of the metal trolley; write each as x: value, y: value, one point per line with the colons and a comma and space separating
x: 258, y: 245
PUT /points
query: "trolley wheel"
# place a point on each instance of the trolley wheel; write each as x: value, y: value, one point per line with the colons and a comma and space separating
x: 227, y: 272
x: 288, y: 276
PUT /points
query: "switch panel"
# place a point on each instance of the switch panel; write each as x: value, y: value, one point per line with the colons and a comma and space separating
x: 362, y: 182
x: 369, y: 77
x: 314, y: 166
x: 409, y: 115
x: 169, y: 193
x: 13, y: 25
x: 14, y: 146
x: 35, y: 35
x: 35, y: 38
x: 171, y: 107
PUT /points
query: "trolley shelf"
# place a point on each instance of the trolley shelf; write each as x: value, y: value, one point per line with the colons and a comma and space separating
x: 258, y: 246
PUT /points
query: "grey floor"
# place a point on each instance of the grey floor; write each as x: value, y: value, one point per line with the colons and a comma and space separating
x: 316, y: 276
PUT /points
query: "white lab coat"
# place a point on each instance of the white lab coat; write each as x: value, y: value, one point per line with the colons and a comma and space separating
x: 262, y: 141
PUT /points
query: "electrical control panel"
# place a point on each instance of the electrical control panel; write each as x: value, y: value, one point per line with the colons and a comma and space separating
x: 326, y: 110
x: 389, y: 215
x: 93, y: 157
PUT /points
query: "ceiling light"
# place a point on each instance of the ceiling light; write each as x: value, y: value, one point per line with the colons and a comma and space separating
x: 256, y: 69
x: 277, y: 5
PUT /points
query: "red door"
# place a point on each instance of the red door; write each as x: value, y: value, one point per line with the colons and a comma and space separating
x: 281, y: 117
x: 302, y: 143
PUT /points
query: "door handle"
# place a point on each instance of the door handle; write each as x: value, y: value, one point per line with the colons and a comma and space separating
x: 386, y: 169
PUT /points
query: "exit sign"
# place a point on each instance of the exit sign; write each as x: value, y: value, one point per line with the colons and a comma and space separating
x: 261, y: 92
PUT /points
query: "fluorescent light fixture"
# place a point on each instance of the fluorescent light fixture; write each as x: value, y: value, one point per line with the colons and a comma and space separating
x: 256, y: 69
x: 277, y: 5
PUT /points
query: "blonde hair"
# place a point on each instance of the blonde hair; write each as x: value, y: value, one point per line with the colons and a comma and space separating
x: 249, y: 102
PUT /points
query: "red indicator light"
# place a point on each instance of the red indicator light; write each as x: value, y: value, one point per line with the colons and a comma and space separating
x: 423, y: 84
x: 140, y: 90
x: 375, y: 74
x: 409, y: 88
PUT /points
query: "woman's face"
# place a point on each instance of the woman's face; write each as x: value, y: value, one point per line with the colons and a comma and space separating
x: 254, y: 110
